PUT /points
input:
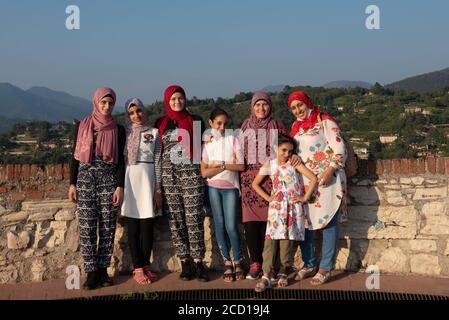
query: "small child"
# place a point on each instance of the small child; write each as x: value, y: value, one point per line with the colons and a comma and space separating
x: 285, y: 222
x: 221, y: 160
x: 143, y: 200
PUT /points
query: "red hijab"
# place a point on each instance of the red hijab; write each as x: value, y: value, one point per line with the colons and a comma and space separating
x: 107, y: 137
x: 312, y: 119
x: 182, y: 118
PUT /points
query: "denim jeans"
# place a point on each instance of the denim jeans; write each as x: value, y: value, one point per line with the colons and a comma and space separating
x: 329, y: 248
x: 223, y: 203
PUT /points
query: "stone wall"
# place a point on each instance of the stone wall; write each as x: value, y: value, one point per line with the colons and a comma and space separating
x: 398, y: 220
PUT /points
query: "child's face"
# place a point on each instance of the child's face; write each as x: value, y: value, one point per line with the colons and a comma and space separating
x: 285, y: 151
x: 136, y: 115
x: 299, y: 109
x: 219, y: 123
x: 106, y: 105
x: 177, y: 102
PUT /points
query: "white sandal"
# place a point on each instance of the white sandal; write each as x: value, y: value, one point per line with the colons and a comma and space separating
x: 263, y: 284
x: 320, y: 279
x: 305, y: 273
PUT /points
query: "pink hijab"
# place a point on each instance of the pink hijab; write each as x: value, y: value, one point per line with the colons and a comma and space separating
x: 107, y: 137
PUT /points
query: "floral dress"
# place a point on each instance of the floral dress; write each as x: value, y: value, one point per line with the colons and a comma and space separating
x: 285, y: 220
x: 320, y: 147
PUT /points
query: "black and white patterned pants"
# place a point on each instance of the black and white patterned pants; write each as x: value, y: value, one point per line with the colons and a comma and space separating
x: 95, y: 187
x: 183, y: 191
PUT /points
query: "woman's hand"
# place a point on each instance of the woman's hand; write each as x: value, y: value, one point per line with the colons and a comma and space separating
x: 297, y: 198
x: 295, y: 160
x: 117, y: 197
x: 157, y: 200
x: 326, y: 177
x: 72, y: 193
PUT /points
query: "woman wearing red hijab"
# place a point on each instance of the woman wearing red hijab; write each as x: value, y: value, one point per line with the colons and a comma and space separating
x: 182, y: 183
x: 323, y: 151
x: 97, y: 177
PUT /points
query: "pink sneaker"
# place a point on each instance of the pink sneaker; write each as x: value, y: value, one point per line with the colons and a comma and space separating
x: 255, y: 270
x: 150, y: 274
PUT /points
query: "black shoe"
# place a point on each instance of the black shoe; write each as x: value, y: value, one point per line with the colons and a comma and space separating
x: 201, y: 273
x: 186, y: 270
x: 92, y: 281
x: 103, y: 278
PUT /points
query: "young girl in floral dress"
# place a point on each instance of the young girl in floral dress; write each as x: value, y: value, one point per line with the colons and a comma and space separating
x: 286, y: 218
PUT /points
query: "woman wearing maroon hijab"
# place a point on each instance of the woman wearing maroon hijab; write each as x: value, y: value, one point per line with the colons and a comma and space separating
x: 182, y: 183
x: 97, y: 175
x: 254, y: 207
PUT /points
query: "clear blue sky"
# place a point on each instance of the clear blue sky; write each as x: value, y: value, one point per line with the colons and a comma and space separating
x: 217, y: 48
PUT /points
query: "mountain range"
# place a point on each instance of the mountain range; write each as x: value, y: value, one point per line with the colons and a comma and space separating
x: 41, y: 103
x: 423, y: 83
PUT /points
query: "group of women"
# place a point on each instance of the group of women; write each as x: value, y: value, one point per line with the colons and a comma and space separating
x: 148, y: 171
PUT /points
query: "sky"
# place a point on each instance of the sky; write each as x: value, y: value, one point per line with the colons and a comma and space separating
x: 216, y: 48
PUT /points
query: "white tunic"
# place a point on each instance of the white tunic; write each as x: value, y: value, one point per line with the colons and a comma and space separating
x: 140, y: 180
x: 321, y: 147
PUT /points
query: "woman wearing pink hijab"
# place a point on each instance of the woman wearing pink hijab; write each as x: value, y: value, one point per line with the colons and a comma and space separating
x: 97, y: 175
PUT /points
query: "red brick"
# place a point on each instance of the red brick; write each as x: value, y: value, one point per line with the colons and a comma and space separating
x: 405, y: 166
x: 441, y: 166
x: 6, y: 188
x: 59, y: 194
x: 397, y: 166
x: 2, y: 173
x: 421, y: 166
x: 26, y: 172
x: 48, y: 187
x: 388, y: 167
x: 10, y: 172
x: 50, y: 170
x: 35, y: 195
x: 17, y: 172
x: 18, y: 196
x: 66, y: 171
x: 371, y: 167
x: 33, y: 171
x: 431, y: 165
x: 413, y: 166
x: 30, y: 187
x: 59, y: 171
x: 447, y: 164
x: 380, y: 168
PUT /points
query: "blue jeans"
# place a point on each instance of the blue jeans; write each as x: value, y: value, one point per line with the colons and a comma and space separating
x: 329, y: 248
x: 223, y: 203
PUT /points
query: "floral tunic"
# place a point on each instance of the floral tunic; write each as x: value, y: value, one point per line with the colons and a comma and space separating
x: 285, y: 220
x: 321, y: 147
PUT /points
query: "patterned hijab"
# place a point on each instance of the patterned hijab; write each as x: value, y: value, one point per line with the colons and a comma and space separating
x: 133, y: 131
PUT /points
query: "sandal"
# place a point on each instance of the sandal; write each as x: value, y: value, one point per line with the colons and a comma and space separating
x: 320, y: 278
x: 228, y: 275
x: 150, y: 274
x: 263, y: 284
x: 282, y: 280
x: 140, y: 277
x: 239, y: 273
x: 305, y: 273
